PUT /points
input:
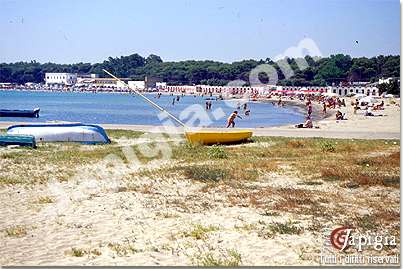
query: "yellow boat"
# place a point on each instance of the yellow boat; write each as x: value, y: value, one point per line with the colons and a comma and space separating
x: 205, y: 137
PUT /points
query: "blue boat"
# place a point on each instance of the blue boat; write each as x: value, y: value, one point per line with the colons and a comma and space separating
x: 20, y: 113
x: 71, y: 132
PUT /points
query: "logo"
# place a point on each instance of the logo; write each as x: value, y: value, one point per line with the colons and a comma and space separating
x: 340, y: 238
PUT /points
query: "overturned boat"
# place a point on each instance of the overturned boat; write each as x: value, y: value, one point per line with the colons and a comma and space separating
x: 18, y: 140
x: 34, y: 113
x: 72, y: 132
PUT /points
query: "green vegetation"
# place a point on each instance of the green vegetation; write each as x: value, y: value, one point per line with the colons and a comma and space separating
x: 231, y: 258
x: 217, y: 152
x: 283, y: 228
x: 205, y: 173
x: 320, y: 71
x: 16, y: 231
x: 78, y: 252
x: 200, y: 232
x: 314, y: 160
x: 123, y: 249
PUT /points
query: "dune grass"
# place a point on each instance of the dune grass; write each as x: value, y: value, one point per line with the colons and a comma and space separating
x: 316, y: 160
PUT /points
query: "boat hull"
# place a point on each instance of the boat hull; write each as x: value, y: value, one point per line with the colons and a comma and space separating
x: 81, y: 133
x: 18, y: 140
x: 216, y: 137
x: 20, y: 113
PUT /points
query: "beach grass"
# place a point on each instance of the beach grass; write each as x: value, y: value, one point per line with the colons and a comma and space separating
x: 314, y: 159
x: 230, y: 258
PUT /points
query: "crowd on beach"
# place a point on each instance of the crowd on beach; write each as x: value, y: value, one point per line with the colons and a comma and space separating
x: 335, y: 103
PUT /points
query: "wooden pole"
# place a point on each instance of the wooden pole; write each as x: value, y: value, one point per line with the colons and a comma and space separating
x: 145, y: 98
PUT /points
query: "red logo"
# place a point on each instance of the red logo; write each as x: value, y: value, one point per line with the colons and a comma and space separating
x: 339, y: 237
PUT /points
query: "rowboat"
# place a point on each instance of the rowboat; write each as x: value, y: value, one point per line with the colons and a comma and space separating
x: 18, y: 140
x: 20, y: 113
x: 206, y: 137
x: 75, y: 132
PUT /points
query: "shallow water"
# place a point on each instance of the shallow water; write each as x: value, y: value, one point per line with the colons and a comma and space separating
x: 104, y: 108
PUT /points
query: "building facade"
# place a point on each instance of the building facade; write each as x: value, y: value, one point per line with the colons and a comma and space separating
x: 137, y: 84
x: 61, y: 79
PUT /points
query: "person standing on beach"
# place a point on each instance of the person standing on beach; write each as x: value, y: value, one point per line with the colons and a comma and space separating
x: 173, y: 101
x: 209, y: 105
x: 309, y: 109
x: 324, y: 108
x: 231, y: 119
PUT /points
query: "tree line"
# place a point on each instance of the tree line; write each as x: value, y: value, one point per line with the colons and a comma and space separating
x: 319, y: 71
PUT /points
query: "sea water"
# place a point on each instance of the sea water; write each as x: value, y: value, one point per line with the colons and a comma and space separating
x: 117, y: 108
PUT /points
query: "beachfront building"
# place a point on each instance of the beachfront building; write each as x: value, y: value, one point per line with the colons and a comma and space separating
x: 353, y: 90
x: 139, y: 85
x: 60, y: 79
x: 269, y: 89
x: 217, y: 90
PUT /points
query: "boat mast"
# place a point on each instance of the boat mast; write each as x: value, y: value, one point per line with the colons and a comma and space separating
x: 145, y: 98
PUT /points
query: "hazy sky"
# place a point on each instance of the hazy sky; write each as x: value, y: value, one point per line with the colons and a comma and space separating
x: 68, y: 31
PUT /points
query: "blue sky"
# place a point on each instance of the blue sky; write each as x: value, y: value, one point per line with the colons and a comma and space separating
x: 69, y: 31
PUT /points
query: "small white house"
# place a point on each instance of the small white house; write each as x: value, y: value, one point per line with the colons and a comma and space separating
x: 60, y: 78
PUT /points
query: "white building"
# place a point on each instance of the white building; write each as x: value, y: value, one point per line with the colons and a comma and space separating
x: 137, y: 84
x: 160, y: 85
x: 60, y: 78
x: 352, y: 90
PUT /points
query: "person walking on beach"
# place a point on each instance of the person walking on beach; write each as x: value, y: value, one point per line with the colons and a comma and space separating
x: 177, y: 98
x: 206, y: 105
x: 209, y: 105
x: 173, y: 101
x: 231, y: 119
x: 324, y: 108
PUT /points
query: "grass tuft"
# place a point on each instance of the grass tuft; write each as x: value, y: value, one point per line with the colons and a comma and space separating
x: 275, y: 228
x: 231, y: 259
x: 200, y: 232
x: 16, y: 231
x: 217, y: 152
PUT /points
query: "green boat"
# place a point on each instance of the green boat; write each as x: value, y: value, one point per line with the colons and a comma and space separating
x: 19, y: 140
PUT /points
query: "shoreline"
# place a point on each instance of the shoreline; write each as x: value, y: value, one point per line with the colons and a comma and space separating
x: 281, y: 131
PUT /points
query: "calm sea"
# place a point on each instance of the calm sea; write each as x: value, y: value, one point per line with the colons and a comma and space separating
x: 113, y: 108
